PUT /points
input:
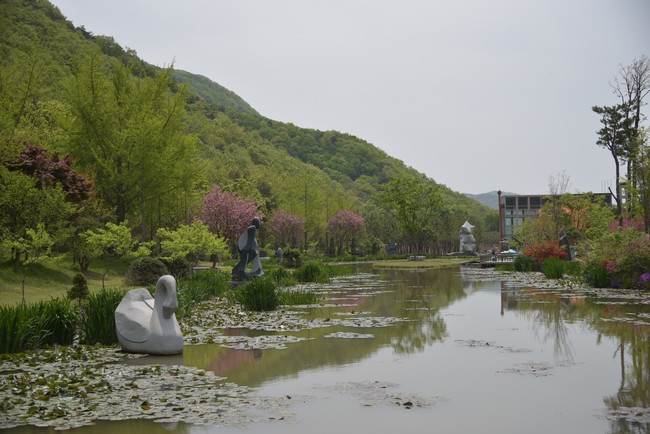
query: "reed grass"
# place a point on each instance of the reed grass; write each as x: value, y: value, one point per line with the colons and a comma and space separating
x: 97, y: 325
x: 298, y: 297
x: 258, y: 294
x: 29, y: 326
x: 315, y: 272
x: 203, y: 286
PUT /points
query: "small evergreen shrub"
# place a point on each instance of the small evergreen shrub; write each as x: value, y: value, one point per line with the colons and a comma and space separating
x: 596, y: 276
x: 79, y: 289
x: 258, y: 294
x: 313, y: 272
x: 178, y: 267
x: 97, y: 325
x: 291, y: 258
x: 145, y: 271
x: 553, y: 268
x: 524, y: 263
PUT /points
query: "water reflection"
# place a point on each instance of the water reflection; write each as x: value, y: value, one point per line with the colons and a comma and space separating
x: 415, y: 298
x: 431, y: 306
x: 622, y: 317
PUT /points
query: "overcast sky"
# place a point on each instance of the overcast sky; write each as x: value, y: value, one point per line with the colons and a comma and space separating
x: 479, y: 95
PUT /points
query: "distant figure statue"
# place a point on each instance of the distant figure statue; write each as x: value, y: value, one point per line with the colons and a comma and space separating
x: 467, y: 241
x: 249, y: 251
x: 148, y: 325
x: 564, y: 241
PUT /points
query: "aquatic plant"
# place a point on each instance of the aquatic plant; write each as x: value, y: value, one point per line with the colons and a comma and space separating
x: 258, y: 294
x: 297, y: 297
x: 313, y: 272
x: 200, y: 287
x: 25, y: 327
x: 553, y: 268
x: 97, y: 324
x: 524, y: 263
x: 596, y: 276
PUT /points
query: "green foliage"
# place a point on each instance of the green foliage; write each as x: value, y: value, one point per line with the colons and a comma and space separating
x: 553, y: 268
x: 281, y: 276
x: 298, y: 297
x: 292, y: 258
x: 97, y: 325
x: 524, y: 263
x: 179, y: 267
x: 313, y: 272
x: 634, y: 262
x: 145, y: 271
x: 573, y: 268
x: 31, y: 326
x: 258, y: 294
x: 191, y: 241
x: 79, y: 289
x: 202, y: 286
x: 596, y: 276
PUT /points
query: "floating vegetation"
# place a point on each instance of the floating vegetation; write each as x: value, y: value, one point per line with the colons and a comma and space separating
x: 72, y: 388
x: 471, y: 343
x: 344, y: 335
x: 375, y: 393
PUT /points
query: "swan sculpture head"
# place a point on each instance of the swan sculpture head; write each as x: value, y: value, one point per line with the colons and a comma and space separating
x: 146, y: 324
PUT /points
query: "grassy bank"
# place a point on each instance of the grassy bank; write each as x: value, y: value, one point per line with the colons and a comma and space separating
x: 53, y: 276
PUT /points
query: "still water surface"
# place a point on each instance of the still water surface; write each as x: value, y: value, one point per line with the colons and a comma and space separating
x: 466, y: 356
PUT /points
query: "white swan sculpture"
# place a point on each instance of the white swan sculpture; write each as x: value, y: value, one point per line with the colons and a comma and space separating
x: 148, y: 325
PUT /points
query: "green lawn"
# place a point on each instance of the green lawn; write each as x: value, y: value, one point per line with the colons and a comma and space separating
x: 53, y: 276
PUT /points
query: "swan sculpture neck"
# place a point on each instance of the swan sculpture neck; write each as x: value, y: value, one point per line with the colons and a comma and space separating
x: 166, y: 290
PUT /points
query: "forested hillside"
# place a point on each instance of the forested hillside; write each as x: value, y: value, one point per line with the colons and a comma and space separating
x: 119, y: 140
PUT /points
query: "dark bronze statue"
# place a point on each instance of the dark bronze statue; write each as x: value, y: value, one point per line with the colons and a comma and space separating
x: 249, y: 252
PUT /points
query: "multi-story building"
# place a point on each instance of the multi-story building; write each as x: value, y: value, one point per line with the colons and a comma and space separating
x: 515, y: 209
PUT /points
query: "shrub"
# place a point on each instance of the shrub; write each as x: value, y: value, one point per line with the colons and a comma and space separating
x: 524, y: 263
x: 553, y: 268
x: 258, y: 294
x: 633, y: 262
x: 313, y: 272
x: 98, y: 318
x: 79, y: 289
x: 145, y: 271
x: 178, y: 267
x: 543, y: 250
x: 572, y: 268
x: 291, y: 258
x: 596, y: 276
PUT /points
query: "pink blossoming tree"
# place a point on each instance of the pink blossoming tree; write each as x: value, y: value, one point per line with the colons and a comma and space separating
x: 287, y: 229
x: 226, y: 214
x: 344, y: 226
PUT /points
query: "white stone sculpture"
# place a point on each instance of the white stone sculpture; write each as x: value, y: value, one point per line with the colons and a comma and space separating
x: 467, y: 241
x: 148, y: 324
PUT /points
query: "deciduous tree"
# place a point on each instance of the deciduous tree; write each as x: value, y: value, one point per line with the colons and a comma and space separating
x: 344, y: 226
x: 287, y: 229
x: 191, y: 241
x: 226, y: 214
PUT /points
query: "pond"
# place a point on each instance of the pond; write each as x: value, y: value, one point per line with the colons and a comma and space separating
x: 453, y: 350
